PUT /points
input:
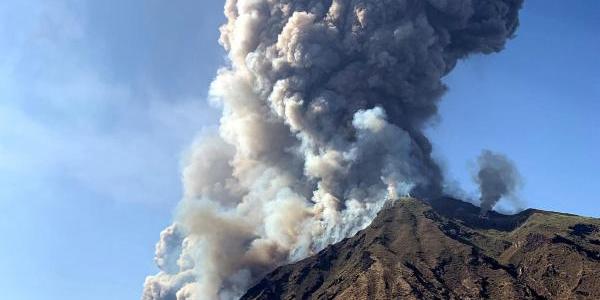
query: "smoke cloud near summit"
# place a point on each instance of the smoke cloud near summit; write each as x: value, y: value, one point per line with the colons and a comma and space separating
x: 324, y: 104
x: 497, y: 177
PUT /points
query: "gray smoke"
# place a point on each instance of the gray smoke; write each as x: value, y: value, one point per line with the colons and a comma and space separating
x: 323, y: 104
x: 497, y: 177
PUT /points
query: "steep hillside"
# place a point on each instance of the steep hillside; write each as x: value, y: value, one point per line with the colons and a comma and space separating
x: 444, y: 249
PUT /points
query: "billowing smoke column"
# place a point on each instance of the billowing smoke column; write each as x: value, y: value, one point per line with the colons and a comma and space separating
x: 323, y: 108
x: 497, y: 177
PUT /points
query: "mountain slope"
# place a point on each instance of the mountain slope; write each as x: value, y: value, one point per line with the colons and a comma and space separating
x: 443, y: 249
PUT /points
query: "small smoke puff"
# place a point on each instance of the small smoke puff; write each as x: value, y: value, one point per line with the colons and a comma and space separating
x: 207, y: 171
x: 372, y: 119
x: 166, y: 286
x: 168, y: 249
x: 497, y: 177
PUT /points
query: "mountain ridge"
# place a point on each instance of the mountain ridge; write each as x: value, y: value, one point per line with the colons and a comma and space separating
x: 444, y: 249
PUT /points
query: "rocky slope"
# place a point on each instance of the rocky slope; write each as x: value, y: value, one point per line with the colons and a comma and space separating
x: 445, y: 250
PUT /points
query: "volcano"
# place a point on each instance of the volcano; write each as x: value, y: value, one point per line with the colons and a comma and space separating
x: 444, y: 249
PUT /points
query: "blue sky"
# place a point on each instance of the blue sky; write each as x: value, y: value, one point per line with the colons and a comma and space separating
x: 99, y: 100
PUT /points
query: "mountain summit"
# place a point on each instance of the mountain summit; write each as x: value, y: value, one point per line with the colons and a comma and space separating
x: 445, y: 250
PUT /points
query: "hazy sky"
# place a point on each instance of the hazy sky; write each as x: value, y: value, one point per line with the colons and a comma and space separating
x: 99, y: 100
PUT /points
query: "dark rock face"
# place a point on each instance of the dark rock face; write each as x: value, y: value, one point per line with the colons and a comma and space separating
x: 444, y: 250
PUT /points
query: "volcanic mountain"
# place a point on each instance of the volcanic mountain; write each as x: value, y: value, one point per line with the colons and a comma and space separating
x: 444, y: 249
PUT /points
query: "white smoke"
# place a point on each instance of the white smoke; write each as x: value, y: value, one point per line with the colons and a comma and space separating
x: 323, y: 108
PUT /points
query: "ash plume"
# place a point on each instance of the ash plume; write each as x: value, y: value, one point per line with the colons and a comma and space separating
x: 324, y: 104
x: 497, y: 177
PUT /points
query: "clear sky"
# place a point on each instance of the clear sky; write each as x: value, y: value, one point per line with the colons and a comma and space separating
x: 99, y: 100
